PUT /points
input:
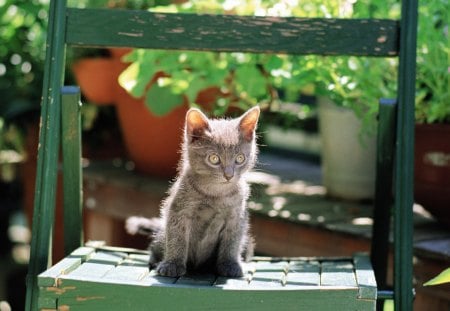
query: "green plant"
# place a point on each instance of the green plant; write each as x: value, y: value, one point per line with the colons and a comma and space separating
x: 90, y: 111
x: 11, y: 137
x: 244, y: 79
x: 23, y: 27
x: 248, y: 79
x: 441, y: 278
x: 433, y: 88
x: 358, y: 83
x: 11, y: 152
x: 22, y: 33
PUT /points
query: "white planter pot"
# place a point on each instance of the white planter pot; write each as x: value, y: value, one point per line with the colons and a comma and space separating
x: 348, y: 167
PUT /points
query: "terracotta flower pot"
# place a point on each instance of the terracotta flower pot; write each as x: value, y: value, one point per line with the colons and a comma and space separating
x: 95, y: 76
x: 152, y: 142
x: 119, y: 52
x: 432, y: 169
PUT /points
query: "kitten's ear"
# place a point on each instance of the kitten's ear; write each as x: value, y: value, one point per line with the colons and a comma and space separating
x: 248, y: 122
x: 196, y: 124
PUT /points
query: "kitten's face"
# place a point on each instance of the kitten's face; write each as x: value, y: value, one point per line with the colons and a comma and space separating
x: 221, y: 150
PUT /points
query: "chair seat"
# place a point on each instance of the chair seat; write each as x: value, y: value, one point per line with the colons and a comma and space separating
x: 119, y: 279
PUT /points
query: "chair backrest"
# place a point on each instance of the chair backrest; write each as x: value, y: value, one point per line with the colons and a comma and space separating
x: 126, y: 28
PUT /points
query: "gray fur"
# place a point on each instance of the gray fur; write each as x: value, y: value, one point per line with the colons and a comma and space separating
x: 204, y: 218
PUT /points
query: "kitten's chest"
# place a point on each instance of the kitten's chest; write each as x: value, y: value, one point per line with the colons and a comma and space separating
x: 210, y: 218
x: 212, y: 215
x: 207, y: 226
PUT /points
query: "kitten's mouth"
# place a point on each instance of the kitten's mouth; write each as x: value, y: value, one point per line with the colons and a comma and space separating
x: 226, y: 181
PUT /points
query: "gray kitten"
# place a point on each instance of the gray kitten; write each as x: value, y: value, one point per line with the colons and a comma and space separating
x: 204, y: 221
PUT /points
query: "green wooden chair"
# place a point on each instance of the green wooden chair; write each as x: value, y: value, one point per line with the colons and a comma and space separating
x: 92, y: 278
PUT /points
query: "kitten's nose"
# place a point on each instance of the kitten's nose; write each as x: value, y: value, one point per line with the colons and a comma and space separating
x: 228, y: 173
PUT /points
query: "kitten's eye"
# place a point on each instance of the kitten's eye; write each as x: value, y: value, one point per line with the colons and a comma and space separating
x: 240, y: 158
x: 214, y: 159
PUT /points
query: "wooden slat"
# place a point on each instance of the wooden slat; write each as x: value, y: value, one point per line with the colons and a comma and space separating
x: 107, y: 248
x: 48, y: 277
x: 404, y: 160
x: 436, y: 248
x: 90, y: 271
x: 71, y: 150
x: 229, y: 33
x: 47, y: 303
x: 267, y: 266
x: 83, y: 252
x: 235, y: 283
x: 47, y: 161
x: 154, y: 279
x: 337, y: 274
x: 365, y: 277
x: 197, y: 280
x: 248, y: 269
x: 382, y: 209
x: 98, y: 296
x: 303, y: 273
x: 113, y: 258
x: 123, y: 274
x: 269, y: 274
x: 140, y: 260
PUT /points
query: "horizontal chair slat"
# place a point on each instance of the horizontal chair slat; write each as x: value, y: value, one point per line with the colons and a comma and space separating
x: 230, y: 33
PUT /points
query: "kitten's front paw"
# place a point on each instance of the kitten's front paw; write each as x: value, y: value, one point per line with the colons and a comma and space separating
x: 230, y: 269
x: 171, y: 268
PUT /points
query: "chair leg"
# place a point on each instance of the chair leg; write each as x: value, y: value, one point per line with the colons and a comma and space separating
x: 44, y: 201
x: 404, y: 165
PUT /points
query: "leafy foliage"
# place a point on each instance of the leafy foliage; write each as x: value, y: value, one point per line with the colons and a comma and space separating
x: 441, y: 278
x: 250, y: 79
x: 433, y: 88
x: 22, y: 33
x: 23, y: 28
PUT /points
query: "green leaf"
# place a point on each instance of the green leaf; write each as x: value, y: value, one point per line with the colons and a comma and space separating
x: 251, y: 81
x: 161, y: 100
x: 216, y: 75
x: 443, y: 277
x: 135, y: 80
x: 136, y: 77
x: 274, y: 62
x: 132, y: 56
x: 195, y: 86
